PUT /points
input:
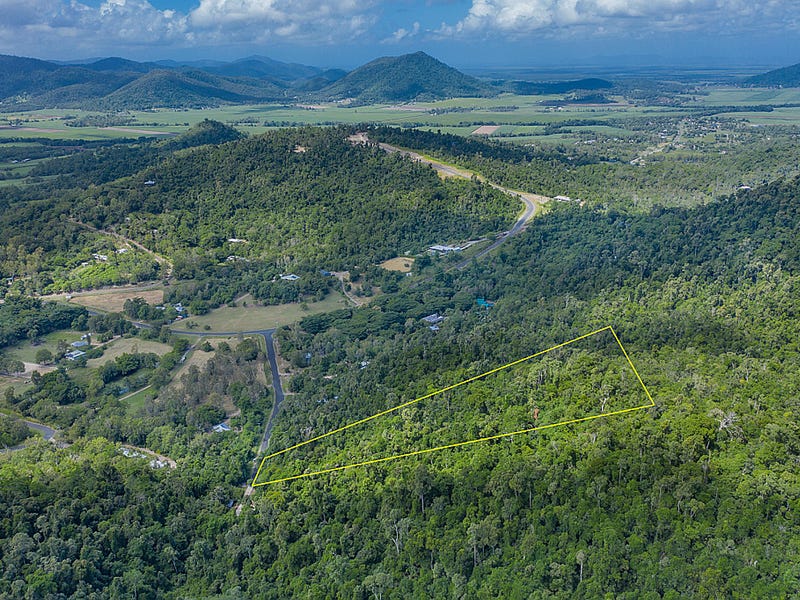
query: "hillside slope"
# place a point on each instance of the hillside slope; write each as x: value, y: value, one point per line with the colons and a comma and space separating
x: 40, y: 83
x: 697, y: 497
x: 190, y: 88
x: 784, y: 77
x: 296, y: 195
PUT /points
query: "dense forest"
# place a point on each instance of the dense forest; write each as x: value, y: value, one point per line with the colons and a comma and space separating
x: 697, y: 496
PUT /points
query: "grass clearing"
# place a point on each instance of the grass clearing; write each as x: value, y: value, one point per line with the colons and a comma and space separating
x: 199, y: 358
x: 112, y: 300
x: 255, y: 318
x: 26, y: 352
x: 402, y: 264
x: 132, y: 345
x: 135, y: 402
x: 14, y: 383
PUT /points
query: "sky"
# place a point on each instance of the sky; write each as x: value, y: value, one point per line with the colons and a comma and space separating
x: 464, y: 33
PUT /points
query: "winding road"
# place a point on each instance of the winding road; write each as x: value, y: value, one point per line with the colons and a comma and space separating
x: 531, y: 201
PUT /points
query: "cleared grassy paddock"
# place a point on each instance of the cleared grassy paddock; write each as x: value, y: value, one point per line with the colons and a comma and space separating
x: 112, y: 300
x: 135, y: 402
x: 729, y: 96
x: 121, y: 346
x: 253, y: 318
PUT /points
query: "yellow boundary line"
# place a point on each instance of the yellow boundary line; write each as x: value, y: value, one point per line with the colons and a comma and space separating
x: 457, y: 444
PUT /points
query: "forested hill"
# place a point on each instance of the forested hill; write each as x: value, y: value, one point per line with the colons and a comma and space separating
x: 783, y: 77
x: 403, y: 78
x: 305, y: 195
x: 189, y: 88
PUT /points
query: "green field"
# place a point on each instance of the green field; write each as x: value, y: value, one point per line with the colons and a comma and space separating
x: 725, y: 96
x: 517, y: 115
x: 254, y: 318
x: 135, y: 402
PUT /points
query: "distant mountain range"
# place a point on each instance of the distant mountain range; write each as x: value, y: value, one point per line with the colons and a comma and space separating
x: 113, y: 84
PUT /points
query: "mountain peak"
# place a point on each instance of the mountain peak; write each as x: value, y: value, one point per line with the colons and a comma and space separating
x: 415, y: 76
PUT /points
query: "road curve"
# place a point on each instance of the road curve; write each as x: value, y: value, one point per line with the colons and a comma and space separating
x: 531, y: 201
x: 48, y: 433
x: 276, y: 386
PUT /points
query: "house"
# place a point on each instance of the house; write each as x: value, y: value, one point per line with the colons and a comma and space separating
x: 80, y: 344
x: 325, y: 273
x: 562, y: 199
x: 221, y: 427
x: 290, y: 277
x: 149, y: 182
x: 434, y: 328
x: 433, y: 319
x: 74, y: 354
x: 444, y: 249
x: 483, y: 303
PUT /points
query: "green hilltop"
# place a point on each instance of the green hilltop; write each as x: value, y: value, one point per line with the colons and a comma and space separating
x: 404, y: 78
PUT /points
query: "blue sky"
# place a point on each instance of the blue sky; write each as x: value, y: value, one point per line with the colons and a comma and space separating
x: 465, y: 33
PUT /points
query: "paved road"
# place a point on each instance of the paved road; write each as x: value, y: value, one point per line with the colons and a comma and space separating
x: 531, y: 201
x: 48, y: 433
x: 276, y: 386
x: 276, y: 405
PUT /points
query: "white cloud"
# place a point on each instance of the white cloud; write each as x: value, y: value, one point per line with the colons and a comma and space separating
x: 49, y: 26
x: 265, y: 20
x: 521, y: 17
x: 403, y: 34
x: 35, y: 26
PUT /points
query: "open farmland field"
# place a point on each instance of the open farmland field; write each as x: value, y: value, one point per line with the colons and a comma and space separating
x: 254, y: 318
x: 729, y: 96
x: 513, y: 115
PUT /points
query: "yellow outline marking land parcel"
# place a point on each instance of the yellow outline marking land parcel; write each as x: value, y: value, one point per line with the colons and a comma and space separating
x: 463, y: 443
